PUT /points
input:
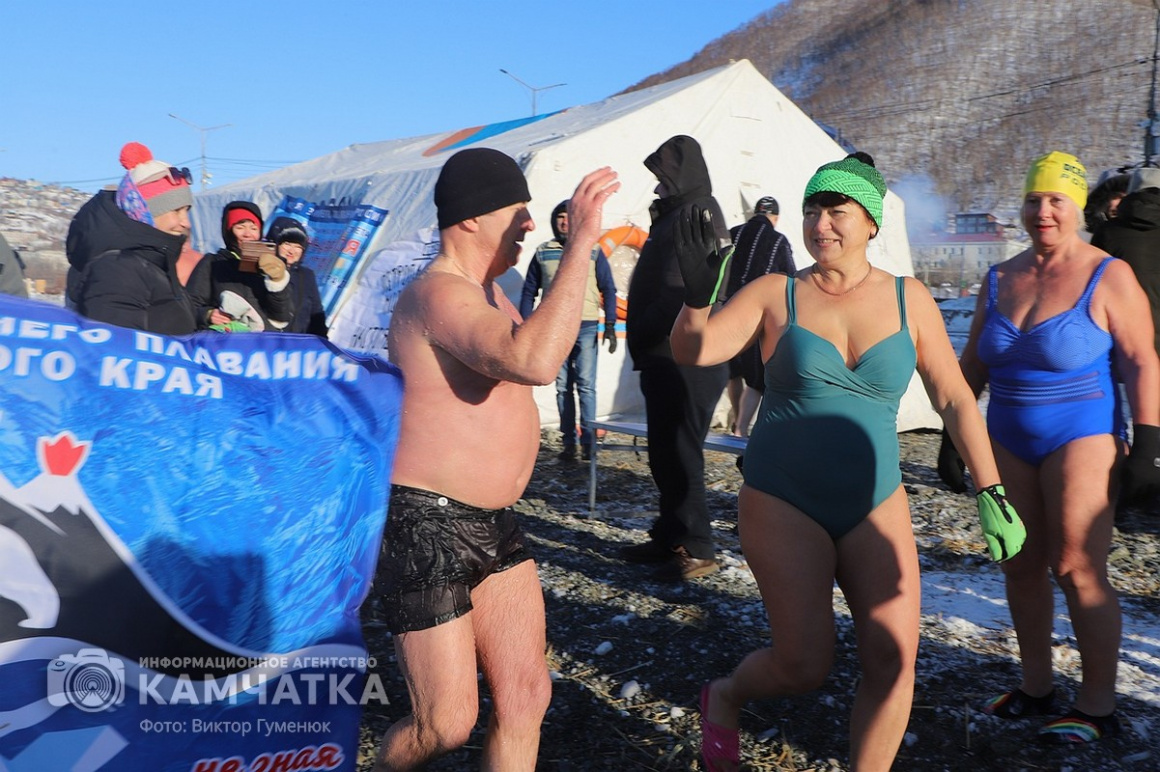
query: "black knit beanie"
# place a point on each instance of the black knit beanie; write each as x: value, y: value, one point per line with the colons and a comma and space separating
x: 288, y: 229
x: 477, y: 181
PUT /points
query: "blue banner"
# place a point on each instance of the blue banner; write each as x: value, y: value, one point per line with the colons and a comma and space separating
x: 339, y: 234
x: 188, y: 527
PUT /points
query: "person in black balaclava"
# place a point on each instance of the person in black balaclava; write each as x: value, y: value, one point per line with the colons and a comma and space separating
x: 679, y: 400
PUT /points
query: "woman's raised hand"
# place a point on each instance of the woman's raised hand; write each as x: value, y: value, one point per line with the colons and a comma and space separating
x: 702, y: 261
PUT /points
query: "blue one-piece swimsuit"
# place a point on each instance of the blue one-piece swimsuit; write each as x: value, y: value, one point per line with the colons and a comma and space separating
x: 1051, y: 384
x: 826, y: 436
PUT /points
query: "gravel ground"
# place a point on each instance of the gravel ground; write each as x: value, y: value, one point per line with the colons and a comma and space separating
x: 628, y: 655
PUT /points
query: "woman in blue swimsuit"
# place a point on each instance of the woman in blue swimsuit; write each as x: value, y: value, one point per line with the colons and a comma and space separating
x: 823, y: 499
x: 1052, y: 325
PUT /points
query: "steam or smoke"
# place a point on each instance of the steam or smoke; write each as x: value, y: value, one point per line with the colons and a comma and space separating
x: 926, y: 209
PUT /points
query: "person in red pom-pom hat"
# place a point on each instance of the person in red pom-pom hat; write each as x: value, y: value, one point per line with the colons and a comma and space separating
x: 123, y: 247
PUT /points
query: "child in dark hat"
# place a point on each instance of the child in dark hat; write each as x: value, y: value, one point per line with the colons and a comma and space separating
x: 291, y: 241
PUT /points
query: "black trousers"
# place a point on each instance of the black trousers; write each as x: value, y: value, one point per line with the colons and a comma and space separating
x: 679, y: 403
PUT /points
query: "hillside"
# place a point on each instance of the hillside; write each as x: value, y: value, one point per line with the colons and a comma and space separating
x: 957, y: 96
x: 34, y: 218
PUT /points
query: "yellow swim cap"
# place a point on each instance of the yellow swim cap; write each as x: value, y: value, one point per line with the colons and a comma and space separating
x: 1060, y: 173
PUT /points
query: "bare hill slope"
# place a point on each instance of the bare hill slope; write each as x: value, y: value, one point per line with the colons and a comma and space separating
x: 966, y: 92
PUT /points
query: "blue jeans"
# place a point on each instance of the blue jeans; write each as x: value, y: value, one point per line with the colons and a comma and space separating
x: 578, y: 374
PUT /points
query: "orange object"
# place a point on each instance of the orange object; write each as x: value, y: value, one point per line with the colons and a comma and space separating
x: 622, y: 247
x: 624, y: 236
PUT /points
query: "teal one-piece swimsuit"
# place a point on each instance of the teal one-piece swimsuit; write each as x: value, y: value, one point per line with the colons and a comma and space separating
x: 826, y: 436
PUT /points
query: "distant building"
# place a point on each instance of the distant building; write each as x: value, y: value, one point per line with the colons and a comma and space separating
x: 952, y: 262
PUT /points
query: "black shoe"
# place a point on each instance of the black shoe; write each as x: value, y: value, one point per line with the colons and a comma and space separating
x: 646, y: 552
x: 585, y: 453
x: 568, y: 453
x: 682, y: 567
x: 1019, y: 704
x: 1077, y: 727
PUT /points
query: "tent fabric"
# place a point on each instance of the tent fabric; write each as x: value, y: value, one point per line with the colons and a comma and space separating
x: 756, y: 142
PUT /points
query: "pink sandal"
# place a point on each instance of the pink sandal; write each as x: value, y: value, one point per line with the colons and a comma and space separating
x: 720, y: 746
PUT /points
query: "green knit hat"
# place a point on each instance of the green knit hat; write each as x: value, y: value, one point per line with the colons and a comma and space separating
x: 853, y: 176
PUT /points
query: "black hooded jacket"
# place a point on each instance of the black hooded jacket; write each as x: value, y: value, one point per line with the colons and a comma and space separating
x: 657, y: 292
x: 221, y: 272
x: 760, y: 249
x: 1134, y: 237
x: 124, y: 272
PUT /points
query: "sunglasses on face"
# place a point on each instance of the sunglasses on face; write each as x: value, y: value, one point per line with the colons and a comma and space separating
x: 183, y: 173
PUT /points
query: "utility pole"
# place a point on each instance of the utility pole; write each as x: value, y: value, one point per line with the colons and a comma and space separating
x: 534, y: 89
x: 205, y: 175
x: 1150, y: 127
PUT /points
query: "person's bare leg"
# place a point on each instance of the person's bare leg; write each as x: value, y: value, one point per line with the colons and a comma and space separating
x: 1075, y: 484
x: 1027, y: 575
x: 750, y: 401
x: 792, y: 559
x: 439, y: 667
x: 734, y: 388
x: 878, y: 574
x: 511, y: 638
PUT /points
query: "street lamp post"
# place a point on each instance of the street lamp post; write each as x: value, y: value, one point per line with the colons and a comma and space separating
x: 205, y: 175
x: 534, y: 89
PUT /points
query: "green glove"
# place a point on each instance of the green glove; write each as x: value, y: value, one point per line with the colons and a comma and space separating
x: 702, y: 262
x: 1002, y: 527
x: 231, y: 326
x: 610, y: 336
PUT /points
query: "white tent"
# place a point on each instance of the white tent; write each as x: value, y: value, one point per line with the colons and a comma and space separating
x: 756, y: 142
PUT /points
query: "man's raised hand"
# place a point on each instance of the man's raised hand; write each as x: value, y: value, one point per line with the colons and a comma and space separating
x: 586, y: 208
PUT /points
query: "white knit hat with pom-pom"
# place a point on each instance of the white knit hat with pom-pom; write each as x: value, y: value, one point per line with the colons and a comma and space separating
x: 151, y: 185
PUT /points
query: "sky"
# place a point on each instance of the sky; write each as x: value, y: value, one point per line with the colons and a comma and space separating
x: 266, y: 84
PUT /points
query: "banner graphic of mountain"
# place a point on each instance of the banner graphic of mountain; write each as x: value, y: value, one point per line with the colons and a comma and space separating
x: 187, y: 529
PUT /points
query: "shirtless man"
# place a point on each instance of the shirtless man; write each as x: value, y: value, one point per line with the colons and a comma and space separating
x: 460, y: 589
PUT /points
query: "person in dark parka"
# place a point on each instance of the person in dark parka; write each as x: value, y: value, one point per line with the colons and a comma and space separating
x: 265, y: 290
x: 123, y: 246
x: 11, y: 271
x: 679, y: 400
x: 290, y: 242
x: 1133, y: 235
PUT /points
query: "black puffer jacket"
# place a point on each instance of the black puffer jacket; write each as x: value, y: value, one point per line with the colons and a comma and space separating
x: 124, y: 272
x: 1134, y: 237
x: 309, y: 316
x: 657, y: 292
x: 221, y: 271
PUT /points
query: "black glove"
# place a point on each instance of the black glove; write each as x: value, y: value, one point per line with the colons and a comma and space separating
x: 610, y: 336
x: 1141, y: 475
x: 702, y: 262
x: 1002, y: 528
x: 950, y: 465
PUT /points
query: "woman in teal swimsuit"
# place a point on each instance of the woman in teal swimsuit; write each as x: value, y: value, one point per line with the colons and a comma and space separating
x: 1052, y: 328
x: 823, y: 499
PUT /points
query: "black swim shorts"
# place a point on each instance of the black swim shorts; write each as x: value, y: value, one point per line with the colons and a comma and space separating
x: 435, y: 551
